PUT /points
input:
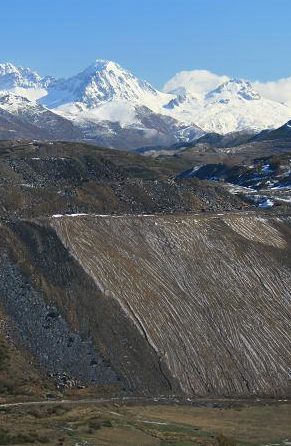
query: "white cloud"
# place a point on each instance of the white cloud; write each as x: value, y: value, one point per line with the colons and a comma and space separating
x: 279, y: 90
x: 198, y: 82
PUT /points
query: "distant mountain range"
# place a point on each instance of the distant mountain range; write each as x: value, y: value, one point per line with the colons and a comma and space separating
x: 109, y: 106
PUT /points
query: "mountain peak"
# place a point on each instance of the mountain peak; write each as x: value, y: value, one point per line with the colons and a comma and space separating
x: 105, y: 67
x: 9, y: 98
x: 238, y: 88
x: 7, y: 68
x: 182, y: 96
x: 101, y: 82
x: 17, y: 77
x: 106, y: 92
x: 101, y: 64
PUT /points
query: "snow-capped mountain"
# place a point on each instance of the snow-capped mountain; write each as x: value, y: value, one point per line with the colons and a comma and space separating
x: 103, y: 92
x: 30, y: 119
x: 23, y: 81
x: 104, y: 102
x: 233, y: 89
x: 108, y: 104
x: 230, y: 107
x: 13, y: 77
x: 100, y: 83
x: 105, y: 96
x: 235, y: 106
x: 182, y: 97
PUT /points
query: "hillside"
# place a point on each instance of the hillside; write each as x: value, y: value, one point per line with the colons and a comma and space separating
x: 212, y: 341
x: 157, y: 304
x: 41, y: 179
x: 119, y: 278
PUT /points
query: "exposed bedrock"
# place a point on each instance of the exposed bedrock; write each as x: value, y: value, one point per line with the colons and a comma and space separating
x: 210, y: 295
x: 154, y: 304
x: 63, y: 353
x: 58, y: 314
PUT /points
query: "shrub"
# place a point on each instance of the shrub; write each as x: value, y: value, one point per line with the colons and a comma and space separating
x: 4, y: 437
x: 3, y: 355
x: 222, y: 440
x: 57, y: 410
x: 8, y: 386
x: 275, y: 163
x: 95, y: 425
x: 7, y: 438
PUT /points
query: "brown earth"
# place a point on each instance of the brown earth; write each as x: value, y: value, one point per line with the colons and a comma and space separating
x: 178, y: 302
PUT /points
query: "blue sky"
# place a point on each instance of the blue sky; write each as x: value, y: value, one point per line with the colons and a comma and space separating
x: 153, y: 39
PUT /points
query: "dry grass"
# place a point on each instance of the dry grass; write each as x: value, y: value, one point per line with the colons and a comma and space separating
x: 145, y: 426
x: 18, y: 377
x: 254, y: 424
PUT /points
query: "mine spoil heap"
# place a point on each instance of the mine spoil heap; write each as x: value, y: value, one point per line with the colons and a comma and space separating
x: 116, y: 276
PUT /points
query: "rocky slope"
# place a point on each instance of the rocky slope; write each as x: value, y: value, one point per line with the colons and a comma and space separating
x: 42, y: 179
x: 238, y: 148
x: 262, y: 180
x: 23, y: 118
x: 283, y: 132
x: 269, y: 172
x: 113, y: 279
x: 168, y: 274
x: 153, y: 304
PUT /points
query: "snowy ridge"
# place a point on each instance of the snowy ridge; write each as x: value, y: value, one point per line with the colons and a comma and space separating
x: 106, y: 95
x: 103, y: 92
x: 21, y: 106
x: 232, y: 106
x: 32, y: 119
x: 11, y: 76
x: 23, y: 81
x: 101, y: 82
x: 237, y: 88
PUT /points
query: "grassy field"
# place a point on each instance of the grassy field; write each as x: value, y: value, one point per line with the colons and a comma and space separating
x: 116, y: 425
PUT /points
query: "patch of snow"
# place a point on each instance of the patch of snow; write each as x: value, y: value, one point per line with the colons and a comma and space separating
x: 154, y: 422
x: 266, y: 204
x: 266, y: 168
x: 114, y: 111
x: 33, y: 94
x: 286, y: 200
